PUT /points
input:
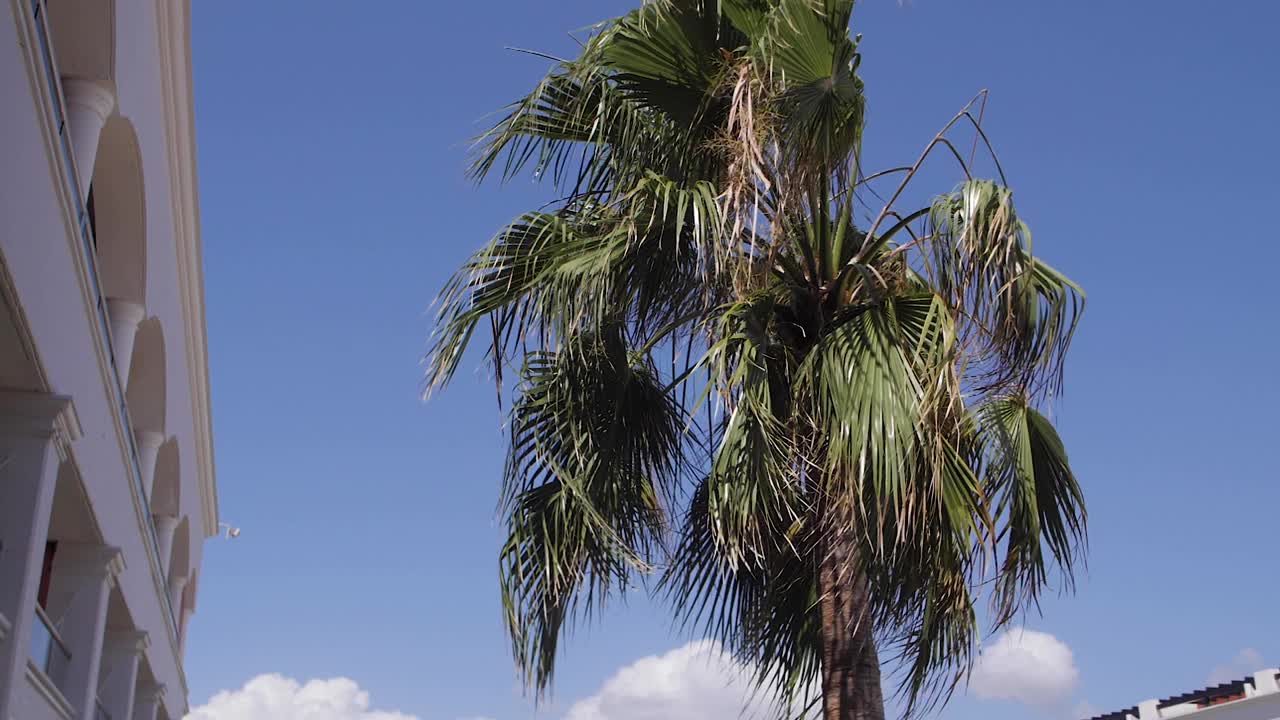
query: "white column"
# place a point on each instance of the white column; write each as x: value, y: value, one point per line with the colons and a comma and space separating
x: 34, y: 429
x: 89, y: 104
x: 177, y: 586
x: 125, y: 316
x: 149, y: 443
x: 120, y: 655
x: 83, y: 576
x: 187, y: 612
x: 146, y: 704
x: 166, y: 526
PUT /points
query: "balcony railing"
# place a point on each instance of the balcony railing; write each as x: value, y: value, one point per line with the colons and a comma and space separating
x: 57, y: 107
x: 100, y: 711
x: 48, y: 651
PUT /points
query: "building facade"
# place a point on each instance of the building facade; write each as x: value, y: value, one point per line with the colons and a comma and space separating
x: 1256, y: 697
x: 107, y: 488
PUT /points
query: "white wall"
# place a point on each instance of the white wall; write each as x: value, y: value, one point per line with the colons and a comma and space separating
x: 40, y: 252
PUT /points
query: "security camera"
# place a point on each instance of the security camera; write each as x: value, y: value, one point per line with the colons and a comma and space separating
x: 230, y: 532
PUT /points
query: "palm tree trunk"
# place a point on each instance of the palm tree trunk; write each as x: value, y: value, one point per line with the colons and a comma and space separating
x: 850, y: 663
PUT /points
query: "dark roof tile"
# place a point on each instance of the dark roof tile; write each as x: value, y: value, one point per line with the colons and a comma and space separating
x: 1204, y: 696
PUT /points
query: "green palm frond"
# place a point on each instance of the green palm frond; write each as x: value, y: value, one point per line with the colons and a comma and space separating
x: 1026, y: 312
x: 1039, y: 500
x: 595, y: 445
x: 807, y: 49
x: 551, y: 273
x: 869, y: 386
x: 762, y: 609
x: 542, y: 276
x: 753, y: 491
x: 750, y: 17
x: 690, y: 212
x: 664, y: 57
x: 575, y: 119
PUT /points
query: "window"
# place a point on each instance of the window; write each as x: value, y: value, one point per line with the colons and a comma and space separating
x: 46, y: 574
x: 93, y: 217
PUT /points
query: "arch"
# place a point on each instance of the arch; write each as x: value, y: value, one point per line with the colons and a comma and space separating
x: 166, y: 493
x: 118, y: 213
x: 84, y: 38
x: 145, y: 391
x: 189, y: 601
x: 180, y: 554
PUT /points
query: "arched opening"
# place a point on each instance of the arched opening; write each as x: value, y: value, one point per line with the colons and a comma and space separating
x: 165, y: 498
x: 179, y: 567
x: 180, y: 555
x: 118, y: 214
x: 166, y: 502
x: 116, y: 205
x: 189, y: 602
x: 145, y: 391
x: 188, y: 607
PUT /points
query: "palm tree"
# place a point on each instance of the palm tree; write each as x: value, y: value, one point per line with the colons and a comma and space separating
x: 746, y: 381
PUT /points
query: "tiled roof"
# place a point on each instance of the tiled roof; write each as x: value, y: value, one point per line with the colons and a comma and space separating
x: 1204, y: 697
x: 1117, y: 714
x: 1210, y: 695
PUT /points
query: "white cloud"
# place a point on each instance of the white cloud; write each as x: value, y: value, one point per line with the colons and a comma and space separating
x: 694, y: 682
x: 275, y: 697
x: 1029, y: 667
x: 1246, y: 662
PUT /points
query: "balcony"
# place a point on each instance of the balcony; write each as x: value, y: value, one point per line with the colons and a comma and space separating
x: 46, y: 672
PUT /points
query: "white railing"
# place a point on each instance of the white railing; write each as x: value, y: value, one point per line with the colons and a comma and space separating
x: 103, y: 322
x: 48, y: 651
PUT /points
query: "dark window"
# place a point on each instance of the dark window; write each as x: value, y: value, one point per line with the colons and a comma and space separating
x: 46, y: 573
x: 93, y: 218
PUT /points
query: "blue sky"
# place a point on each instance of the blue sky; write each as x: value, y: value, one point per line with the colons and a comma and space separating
x: 1139, y: 136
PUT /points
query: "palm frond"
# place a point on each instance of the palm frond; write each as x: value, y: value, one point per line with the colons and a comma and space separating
x: 666, y: 55
x: 582, y: 129
x: 869, y: 396
x: 540, y: 277
x: 809, y: 53
x: 595, y: 445
x: 754, y: 493
x: 1039, y: 502
x: 762, y: 610
x: 1023, y: 312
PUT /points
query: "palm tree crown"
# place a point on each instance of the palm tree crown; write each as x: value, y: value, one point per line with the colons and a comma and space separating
x: 740, y: 369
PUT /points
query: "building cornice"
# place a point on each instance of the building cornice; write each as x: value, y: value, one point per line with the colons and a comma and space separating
x: 128, y: 643
x: 175, y: 54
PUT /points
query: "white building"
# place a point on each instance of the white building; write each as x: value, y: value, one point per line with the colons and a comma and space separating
x: 106, y: 464
x: 1252, y: 698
